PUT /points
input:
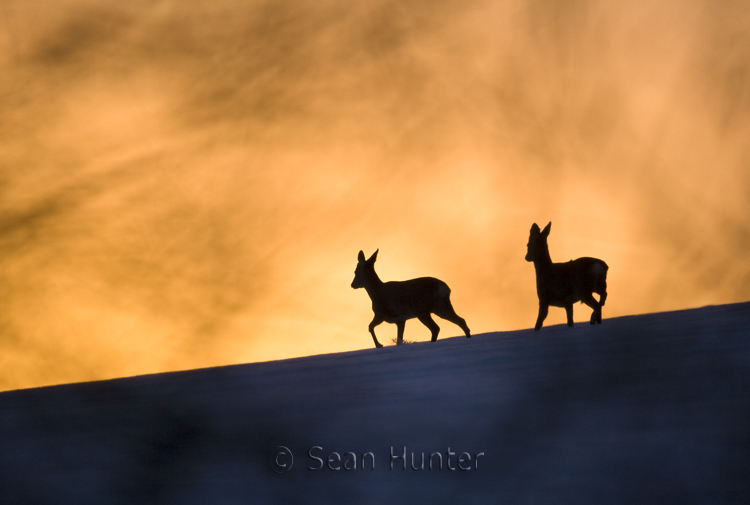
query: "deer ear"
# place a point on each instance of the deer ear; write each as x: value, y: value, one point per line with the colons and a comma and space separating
x: 546, y: 230
x: 534, y: 228
x: 361, y: 257
x: 373, y: 257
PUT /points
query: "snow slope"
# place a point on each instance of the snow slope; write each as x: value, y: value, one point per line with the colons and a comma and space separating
x: 642, y: 409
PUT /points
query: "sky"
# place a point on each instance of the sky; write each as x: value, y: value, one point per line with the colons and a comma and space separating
x: 187, y: 184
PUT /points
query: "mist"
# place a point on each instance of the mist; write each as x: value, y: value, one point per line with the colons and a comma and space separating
x: 188, y: 184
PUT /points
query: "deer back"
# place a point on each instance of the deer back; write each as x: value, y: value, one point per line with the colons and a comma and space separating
x: 410, y: 298
x: 567, y: 283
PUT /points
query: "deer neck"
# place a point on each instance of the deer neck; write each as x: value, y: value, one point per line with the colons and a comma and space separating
x: 543, y: 260
x: 372, y: 284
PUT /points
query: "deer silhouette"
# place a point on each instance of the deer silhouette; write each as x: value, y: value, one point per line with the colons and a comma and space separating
x: 563, y: 284
x: 396, y: 302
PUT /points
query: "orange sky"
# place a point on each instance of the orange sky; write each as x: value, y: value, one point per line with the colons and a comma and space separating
x: 187, y: 184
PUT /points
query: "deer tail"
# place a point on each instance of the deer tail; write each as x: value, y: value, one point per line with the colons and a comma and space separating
x: 444, y: 290
x: 599, y: 268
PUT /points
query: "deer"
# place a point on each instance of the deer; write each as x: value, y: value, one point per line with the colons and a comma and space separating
x: 398, y: 301
x: 563, y: 284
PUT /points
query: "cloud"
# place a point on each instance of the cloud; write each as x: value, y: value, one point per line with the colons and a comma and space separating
x: 188, y: 185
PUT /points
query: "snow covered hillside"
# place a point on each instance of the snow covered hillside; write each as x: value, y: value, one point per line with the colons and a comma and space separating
x: 642, y: 409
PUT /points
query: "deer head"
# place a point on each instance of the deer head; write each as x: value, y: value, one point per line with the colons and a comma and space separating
x: 365, y: 270
x: 537, y: 246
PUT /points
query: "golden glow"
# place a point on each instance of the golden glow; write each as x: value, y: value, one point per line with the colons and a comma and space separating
x: 188, y: 185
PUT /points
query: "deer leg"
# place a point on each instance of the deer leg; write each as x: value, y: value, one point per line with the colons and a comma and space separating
x: 596, y: 316
x: 602, y: 295
x: 569, y: 313
x: 449, y: 314
x: 431, y: 324
x: 375, y: 321
x: 543, y: 310
x: 400, y: 336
